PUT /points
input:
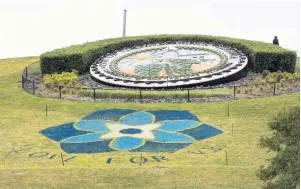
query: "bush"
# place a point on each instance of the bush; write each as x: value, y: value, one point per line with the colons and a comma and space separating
x: 73, y: 92
x: 246, y: 91
x: 238, y: 91
x: 283, y: 84
x: 279, y: 76
x: 64, y: 91
x: 270, y: 79
x: 78, y: 86
x: 261, y: 56
x: 296, y: 76
x: 65, y: 78
x: 265, y: 73
x: 258, y: 81
x: 283, y: 169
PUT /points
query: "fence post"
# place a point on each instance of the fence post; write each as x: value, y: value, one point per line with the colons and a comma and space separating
x: 62, y: 158
x: 33, y: 87
x: 140, y: 96
x: 274, y: 88
x: 188, y: 95
x: 94, y: 93
x: 234, y: 92
x: 26, y: 72
x: 141, y: 160
x: 60, y: 91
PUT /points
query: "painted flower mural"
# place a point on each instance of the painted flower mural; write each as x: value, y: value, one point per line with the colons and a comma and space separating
x: 130, y: 130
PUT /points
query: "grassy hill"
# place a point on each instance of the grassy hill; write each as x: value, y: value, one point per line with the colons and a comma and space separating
x: 23, y: 116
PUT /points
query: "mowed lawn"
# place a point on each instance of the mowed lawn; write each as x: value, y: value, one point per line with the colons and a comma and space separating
x: 30, y: 160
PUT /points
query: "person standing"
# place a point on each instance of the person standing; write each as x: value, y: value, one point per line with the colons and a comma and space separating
x: 275, y: 41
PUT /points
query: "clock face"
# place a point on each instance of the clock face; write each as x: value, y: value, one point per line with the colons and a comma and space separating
x: 171, y: 61
x: 169, y: 65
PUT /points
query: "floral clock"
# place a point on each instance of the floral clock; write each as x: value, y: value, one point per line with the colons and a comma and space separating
x: 130, y: 130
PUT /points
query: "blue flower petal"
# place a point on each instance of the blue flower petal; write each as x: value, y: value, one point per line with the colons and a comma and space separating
x: 202, y: 132
x: 138, y: 118
x: 178, y: 125
x: 163, y: 115
x: 92, y: 125
x: 61, y: 132
x: 126, y: 143
x: 91, y: 137
x: 87, y: 147
x: 108, y: 114
x: 169, y: 137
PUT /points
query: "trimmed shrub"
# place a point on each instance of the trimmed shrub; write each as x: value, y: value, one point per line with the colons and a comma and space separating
x: 262, y: 56
x: 64, y: 91
x: 270, y: 79
x: 65, y: 78
x: 265, y: 73
x: 279, y: 76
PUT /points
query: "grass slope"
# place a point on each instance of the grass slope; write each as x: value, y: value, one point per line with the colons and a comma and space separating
x: 23, y: 116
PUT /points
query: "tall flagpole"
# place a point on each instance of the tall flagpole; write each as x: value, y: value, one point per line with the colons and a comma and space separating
x: 124, y: 22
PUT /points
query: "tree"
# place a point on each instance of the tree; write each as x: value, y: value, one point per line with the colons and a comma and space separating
x: 283, y: 170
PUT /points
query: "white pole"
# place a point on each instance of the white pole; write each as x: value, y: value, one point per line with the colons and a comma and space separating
x: 124, y: 23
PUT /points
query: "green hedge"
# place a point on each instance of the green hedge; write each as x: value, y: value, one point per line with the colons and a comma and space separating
x: 156, y: 95
x: 261, y: 55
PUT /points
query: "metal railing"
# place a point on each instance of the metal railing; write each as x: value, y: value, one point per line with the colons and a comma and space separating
x: 32, y: 83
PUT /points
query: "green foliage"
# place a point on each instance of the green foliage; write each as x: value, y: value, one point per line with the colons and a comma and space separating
x: 296, y: 76
x: 297, y: 67
x: 265, y: 73
x: 283, y: 171
x: 283, y: 84
x: 149, y: 70
x: 272, y: 77
x: 262, y: 56
x: 279, y: 76
x: 64, y: 91
x: 258, y: 81
x: 247, y: 82
x: 78, y: 86
x: 65, y: 78
x: 135, y: 94
x: 180, y: 170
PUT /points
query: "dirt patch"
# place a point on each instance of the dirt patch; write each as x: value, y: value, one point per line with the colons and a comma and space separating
x: 200, y: 67
x: 163, y: 73
x: 129, y: 70
x: 141, y: 57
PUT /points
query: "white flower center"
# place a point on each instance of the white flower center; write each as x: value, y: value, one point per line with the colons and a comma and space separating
x: 146, y: 130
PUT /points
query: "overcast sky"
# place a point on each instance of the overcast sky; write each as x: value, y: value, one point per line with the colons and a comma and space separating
x: 31, y: 27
